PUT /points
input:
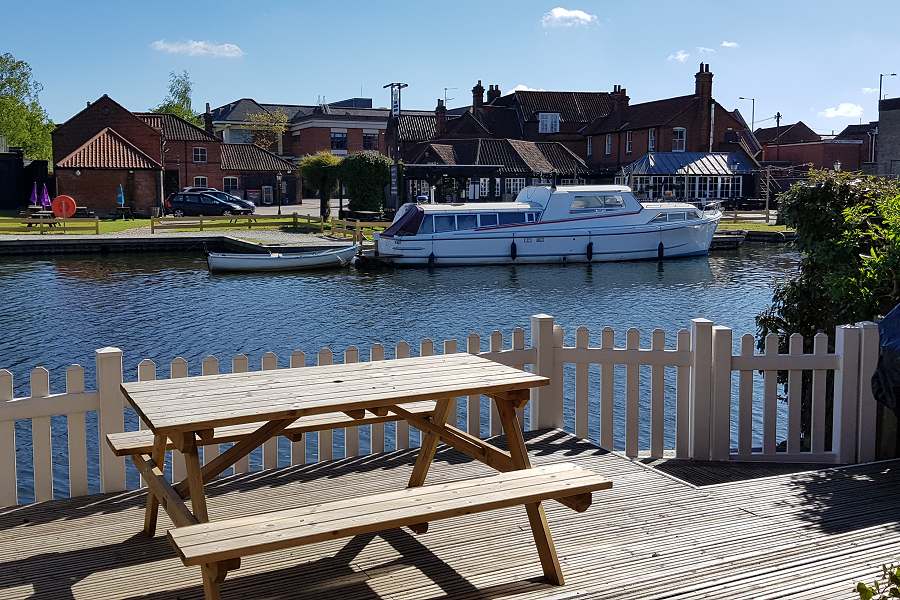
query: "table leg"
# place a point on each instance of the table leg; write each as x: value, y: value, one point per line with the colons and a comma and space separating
x: 195, y: 478
x: 429, y: 445
x: 152, y: 511
x: 536, y: 516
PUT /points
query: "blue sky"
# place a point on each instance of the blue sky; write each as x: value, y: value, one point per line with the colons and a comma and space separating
x: 815, y: 60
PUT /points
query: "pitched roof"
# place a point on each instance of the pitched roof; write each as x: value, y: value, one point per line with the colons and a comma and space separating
x: 789, y: 133
x: 515, y: 156
x: 416, y: 127
x: 249, y: 157
x: 642, y: 115
x: 107, y: 150
x: 857, y: 130
x: 573, y: 107
x: 690, y: 163
x: 239, y: 110
x: 174, y: 127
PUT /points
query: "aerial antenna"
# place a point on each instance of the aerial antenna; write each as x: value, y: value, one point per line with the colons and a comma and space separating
x: 446, y: 99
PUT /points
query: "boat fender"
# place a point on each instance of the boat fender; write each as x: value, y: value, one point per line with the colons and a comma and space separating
x: 512, y: 251
x: 431, y: 259
x: 590, y: 251
x: 660, y: 251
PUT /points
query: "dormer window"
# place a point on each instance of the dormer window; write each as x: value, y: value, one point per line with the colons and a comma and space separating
x: 679, y: 139
x: 548, y: 122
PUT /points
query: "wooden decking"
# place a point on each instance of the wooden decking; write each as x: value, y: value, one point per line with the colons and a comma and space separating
x: 807, y: 535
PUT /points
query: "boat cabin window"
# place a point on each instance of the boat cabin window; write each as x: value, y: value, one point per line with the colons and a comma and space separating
x: 676, y: 216
x: 531, y: 217
x: 487, y: 220
x: 444, y: 223
x: 466, y: 221
x: 692, y: 215
x: 613, y: 202
x: 427, y: 225
x: 599, y: 202
x: 510, y: 218
x: 660, y: 218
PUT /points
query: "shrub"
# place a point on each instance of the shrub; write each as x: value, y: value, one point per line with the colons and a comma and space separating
x: 883, y: 588
x: 365, y: 176
x: 320, y: 172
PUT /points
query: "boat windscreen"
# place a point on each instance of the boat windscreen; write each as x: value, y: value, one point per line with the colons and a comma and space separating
x: 407, y: 224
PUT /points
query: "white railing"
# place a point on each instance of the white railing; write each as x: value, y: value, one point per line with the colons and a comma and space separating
x: 690, y: 388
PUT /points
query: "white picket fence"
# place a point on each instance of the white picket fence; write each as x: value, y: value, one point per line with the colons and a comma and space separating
x: 713, y: 402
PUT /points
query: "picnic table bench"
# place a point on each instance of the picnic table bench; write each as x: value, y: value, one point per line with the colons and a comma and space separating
x: 250, y: 408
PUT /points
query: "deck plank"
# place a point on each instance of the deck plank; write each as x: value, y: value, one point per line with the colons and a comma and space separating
x: 802, y: 535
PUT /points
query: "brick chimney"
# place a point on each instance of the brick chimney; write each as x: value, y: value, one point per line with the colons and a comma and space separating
x: 703, y: 90
x: 619, y: 97
x: 493, y: 93
x: 477, y: 95
x: 703, y: 82
x: 207, y: 119
x: 440, y: 118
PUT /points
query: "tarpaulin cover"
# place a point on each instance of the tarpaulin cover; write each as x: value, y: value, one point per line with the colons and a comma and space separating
x: 886, y: 381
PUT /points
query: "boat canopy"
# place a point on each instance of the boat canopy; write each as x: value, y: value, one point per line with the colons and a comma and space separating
x: 407, y: 221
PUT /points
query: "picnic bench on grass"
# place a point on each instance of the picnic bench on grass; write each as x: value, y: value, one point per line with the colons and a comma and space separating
x: 250, y: 408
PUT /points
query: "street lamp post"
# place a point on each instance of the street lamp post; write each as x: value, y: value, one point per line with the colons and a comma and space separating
x: 278, y: 190
x: 881, y: 77
x: 752, y: 111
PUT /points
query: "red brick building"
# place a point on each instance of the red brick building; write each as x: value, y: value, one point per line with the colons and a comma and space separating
x: 152, y: 155
x: 797, y: 144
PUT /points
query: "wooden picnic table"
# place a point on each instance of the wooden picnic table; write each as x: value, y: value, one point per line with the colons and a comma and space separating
x: 185, y: 412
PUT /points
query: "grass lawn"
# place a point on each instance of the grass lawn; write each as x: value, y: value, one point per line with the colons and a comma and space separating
x: 726, y: 224
x: 106, y: 226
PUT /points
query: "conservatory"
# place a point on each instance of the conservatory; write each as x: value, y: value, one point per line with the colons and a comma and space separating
x: 689, y: 176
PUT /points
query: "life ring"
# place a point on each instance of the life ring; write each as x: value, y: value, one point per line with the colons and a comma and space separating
x: 63, y: 207
x: 590, y: 251
x: 513, y: 251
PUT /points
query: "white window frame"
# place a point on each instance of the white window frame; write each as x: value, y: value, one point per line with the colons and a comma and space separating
x: 200, y: 181
x: 548, y: 122
x: 484, y: 187
x: 628, y: 144
x: 514, y: 185
x: 682, y: 138
x: 237, y: 183
x: 199, y: 155
x: 607, y: 149
x: 590, y: 146
x: 651, y: 140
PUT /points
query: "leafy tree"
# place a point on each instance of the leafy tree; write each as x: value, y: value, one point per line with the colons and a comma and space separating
x: 178, y: 102
x: 23, y: 122
x: 268, y: 127
x: 321, y: 171
x: 366, y: 174
x: 848, y: 228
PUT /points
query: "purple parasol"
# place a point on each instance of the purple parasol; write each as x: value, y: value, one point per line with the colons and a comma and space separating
x: 34, y: 196
x: 45, y: 197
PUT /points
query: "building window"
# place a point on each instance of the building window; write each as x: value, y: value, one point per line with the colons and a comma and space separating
x: 230, y: 184
x: 627, y: 142
x: 514, y: 185
x: 608, y: 149
x: 200, y: 180
x: 339, y: 140
x: 370, y: 140
x: 199, y: 155
x: 651, y: 140
x: 679, y: 138
x: 484, y: 187
x: 590, y: 147
x: 548, y: 122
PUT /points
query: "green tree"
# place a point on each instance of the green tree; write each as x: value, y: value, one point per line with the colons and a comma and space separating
x: 268, y: 127
x: 23, y: 122
x: 366, y: 174
x: 178, y: 102
x: 321, y: 171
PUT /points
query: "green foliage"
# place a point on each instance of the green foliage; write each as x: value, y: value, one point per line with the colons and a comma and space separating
x: 178, y: 102
x: 887, y: 586
x: 320, y: 171
x: 366, y: 174
x: 23, y: 122
x: 848, y: 226
x: 268, y: 128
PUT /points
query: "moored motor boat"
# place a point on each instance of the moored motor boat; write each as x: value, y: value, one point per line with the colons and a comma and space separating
x: 588, y: 223
x: 275, y: 261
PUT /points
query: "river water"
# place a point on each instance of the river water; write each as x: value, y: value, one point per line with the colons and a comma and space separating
x: 57, y: 310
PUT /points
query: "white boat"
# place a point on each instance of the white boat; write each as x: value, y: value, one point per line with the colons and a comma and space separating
x: 299, y: 261
x: 588, y: 223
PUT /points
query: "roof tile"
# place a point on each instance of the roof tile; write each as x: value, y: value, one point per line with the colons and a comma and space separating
x: 108, y: 150
x: 249, y: 157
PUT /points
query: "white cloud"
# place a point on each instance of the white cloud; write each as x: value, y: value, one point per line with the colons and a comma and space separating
x: 524, y: 88
x: 846, y: 110
x: 679, y: 56
x: 727, y: 44
x: 564, y: 17
x: 867, y: 90
x: 705, y: 50
x: 198, y: 48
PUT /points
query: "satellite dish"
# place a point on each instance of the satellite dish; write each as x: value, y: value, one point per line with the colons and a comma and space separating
x: 63, y: 207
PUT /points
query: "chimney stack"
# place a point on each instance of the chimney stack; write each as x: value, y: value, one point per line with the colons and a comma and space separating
x: 440, y: 118
x: 207, y: 119
x: 493, y: 93
x: 703, y: 82
x: 619, y: 97
x: 477, y: 95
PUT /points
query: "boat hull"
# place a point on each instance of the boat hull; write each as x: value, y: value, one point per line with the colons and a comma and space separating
x: 531, y: 244
x: 233, y: 262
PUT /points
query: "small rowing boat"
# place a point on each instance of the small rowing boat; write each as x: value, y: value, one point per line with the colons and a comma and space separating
x: 274, y: 261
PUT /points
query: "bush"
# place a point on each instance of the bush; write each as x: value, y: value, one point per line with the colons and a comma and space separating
x: 887, y: 586
x: 365, y: 176
x: 320, y: 172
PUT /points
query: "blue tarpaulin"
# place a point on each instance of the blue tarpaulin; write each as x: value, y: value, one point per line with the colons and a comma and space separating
x: 886, y: 381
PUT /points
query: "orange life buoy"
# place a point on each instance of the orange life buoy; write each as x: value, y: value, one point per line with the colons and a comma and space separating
x: 63, y: 207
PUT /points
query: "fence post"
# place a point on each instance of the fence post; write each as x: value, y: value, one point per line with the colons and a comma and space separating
x: 111, y: 415
x: 720, y: 405
x: 296, y: 225
x: 868, y: 408
x: 846, y: 394
x: 547, y: 405
x: 97, y: 225
x: 701, y: 386
x: 8, y: 481
x: 152, y: 225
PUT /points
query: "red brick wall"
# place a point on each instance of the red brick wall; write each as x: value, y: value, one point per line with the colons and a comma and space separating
x: 180, y: 156
x: 821, y: 154
x: 316, y: 139
x: 93, y: 119
x: 97, y: 188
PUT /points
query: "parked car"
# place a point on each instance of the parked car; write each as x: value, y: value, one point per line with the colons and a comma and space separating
x: 201, y: 204
x: 199, y: 189
x: 233, y: 199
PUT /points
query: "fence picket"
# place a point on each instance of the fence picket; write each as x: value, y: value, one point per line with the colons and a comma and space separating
x: 817, y: 413
x: 473, y: 402
x: 657, y: 397
x: 401, y: 430
x: 40, y: 439
x: 298, y: 448
x: 325, y: 437
x: 496, y: 345
x: 77, y: 442
x: 241, y: 364
x: 351, y: 434
x: 426, y: 348
x: 745, y: 401
x: 683, y: 399
x: 178, y: 368
x: 770, y: 398
x: 632, y: 394
x: 269, y: 362
x: 607, y: 383
x: 720, y: 401
x: 518, y: 343
x: 8, y: 487
x: 111, y: 416
x: 377, y: 432
x: 795, y: 385
x: 210, y: 366
x: 582, y: 340
x: 146, y: 371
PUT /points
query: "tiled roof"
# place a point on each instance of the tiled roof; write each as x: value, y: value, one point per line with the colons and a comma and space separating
x: 690, y: 163
x: 860, y: 129
x: 573, y: 107
x: 239, y: 110
x: 640, y: 116
x: 174, y: 127
x: 416, y: 127
x: 107, y: 150
x: 249, y: 157
x: 789, y: 133
x: 515, y: 156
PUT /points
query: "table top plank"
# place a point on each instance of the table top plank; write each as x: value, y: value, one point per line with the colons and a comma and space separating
x: 196, y: 403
